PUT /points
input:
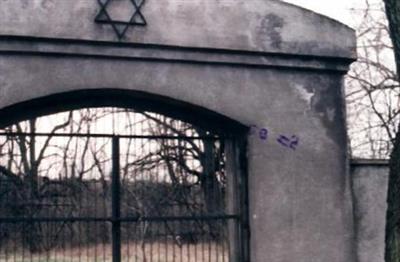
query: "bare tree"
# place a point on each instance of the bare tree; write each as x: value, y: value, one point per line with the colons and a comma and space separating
x: 372, y: 86
x: 28, y: 172
x: 392, y: 250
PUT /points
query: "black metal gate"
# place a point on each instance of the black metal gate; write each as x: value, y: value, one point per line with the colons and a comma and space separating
x: 158, y: 197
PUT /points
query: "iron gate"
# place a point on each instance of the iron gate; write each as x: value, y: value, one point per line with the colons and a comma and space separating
x: 164, y: 203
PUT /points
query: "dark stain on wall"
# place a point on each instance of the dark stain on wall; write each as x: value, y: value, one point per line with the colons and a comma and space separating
x: 270, y: 30
x: 328, y: 104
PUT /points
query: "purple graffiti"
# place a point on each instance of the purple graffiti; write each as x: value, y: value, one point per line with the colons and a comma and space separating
x: 291, y: 142
x: 263, y: 133
x: 286, y: 141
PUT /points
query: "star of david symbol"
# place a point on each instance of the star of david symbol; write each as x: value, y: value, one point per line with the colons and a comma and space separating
x: 120, y: 27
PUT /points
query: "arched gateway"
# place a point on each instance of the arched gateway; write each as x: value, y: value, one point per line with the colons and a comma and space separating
x: 173, y: 131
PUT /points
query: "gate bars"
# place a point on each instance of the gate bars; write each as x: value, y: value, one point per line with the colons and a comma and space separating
x: 189, y: 231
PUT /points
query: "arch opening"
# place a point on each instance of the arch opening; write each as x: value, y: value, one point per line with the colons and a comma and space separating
x: 111, y: 181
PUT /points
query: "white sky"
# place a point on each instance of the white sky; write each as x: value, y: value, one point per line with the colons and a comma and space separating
x: 337, y: 9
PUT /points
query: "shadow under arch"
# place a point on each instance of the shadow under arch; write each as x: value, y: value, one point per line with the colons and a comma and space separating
x: 138, y: 100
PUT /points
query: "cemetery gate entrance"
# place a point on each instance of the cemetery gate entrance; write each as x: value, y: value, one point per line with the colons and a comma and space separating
x: 115, y: 184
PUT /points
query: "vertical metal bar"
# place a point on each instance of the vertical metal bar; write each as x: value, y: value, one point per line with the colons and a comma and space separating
x: 116, y: 210
x: 244, y: 185
x: 232, y: 199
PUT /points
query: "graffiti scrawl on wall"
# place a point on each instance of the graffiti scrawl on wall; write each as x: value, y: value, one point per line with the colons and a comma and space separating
x: 288, y: 141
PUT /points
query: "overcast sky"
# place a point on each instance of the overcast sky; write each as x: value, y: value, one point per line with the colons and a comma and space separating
x: 337, y: 9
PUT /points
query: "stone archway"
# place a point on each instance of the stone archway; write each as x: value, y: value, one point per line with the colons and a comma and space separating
x: 275, y: 68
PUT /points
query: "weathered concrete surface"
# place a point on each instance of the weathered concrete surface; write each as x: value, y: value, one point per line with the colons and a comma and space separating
x: 300, y: 200
x: 256, y: 25
x: 300, y: 203
x: 370, y: 183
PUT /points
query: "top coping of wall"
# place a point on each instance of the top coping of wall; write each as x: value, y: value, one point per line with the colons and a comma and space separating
x: 269, y: 26
x: 369, y: 162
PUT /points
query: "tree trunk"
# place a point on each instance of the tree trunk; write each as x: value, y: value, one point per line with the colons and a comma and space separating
x: 392, y: 252
x: 33, y: 232
x: 392, y: 247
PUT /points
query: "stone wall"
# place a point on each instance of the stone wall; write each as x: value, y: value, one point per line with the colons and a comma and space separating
x: 370, y: 183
